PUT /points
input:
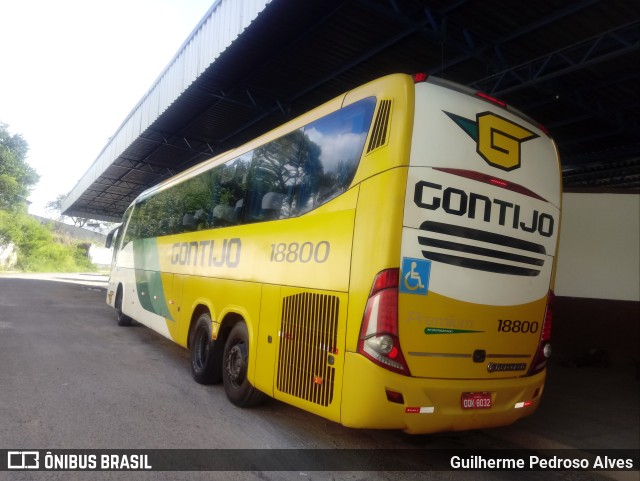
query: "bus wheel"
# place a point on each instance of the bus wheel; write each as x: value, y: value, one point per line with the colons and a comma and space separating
x: 234, y: 369
x: 123, y: 319
x: 205, y: 364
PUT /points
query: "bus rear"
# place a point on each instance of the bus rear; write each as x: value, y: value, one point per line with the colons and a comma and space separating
x: 459, y: 332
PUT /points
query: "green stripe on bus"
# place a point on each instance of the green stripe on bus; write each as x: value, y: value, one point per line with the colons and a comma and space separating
x: 149, y: 280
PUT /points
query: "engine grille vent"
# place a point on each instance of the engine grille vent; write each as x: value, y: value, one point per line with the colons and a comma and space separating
x: 308, y: 341
x: 380, y: 126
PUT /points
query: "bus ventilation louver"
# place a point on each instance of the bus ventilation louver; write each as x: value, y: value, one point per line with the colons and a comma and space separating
x: 380, y: 126
x: 308, y: 342
x: 456, y: 251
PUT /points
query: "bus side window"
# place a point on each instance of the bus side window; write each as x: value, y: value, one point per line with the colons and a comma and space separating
x: 130, y: 229
x: 272, y: 205
x: 197, y: 195
x: 272, y: 175
x: 230, y: 186
x: 331, y: 154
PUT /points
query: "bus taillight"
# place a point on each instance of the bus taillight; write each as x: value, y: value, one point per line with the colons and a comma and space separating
x: 491, y: 99
x: 544, y: 346
x: 420, y: 77
x: 490, y: 179
x: 379, y: 333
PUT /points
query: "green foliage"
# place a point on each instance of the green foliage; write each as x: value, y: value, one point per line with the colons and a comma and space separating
x: 55, y: 207
x: 16, y: 176
x: 39, y: 248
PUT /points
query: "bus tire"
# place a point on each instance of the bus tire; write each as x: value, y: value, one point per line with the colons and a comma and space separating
x: 123, y: 319
x: 234, y: 369
x: 205, y: 362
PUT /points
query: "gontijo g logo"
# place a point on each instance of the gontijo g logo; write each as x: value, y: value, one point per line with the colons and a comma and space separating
x: 498, y: 140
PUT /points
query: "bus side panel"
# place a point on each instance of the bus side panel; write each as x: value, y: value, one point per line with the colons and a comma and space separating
x: 312, y: 250
x: 123, y: 263
x: 377, y: 240
x: 267, y: 338
x: 126, y: 275
x: 304, y: 266
x: 397, y: 93
x: 173, y: 293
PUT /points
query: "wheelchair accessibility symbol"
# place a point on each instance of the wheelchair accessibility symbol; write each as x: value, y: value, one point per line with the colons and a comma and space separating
x: 415, y: 276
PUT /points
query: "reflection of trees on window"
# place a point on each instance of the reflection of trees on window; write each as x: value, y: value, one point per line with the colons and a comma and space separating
x: 309, y: 170
x: 286, y: 177
x: 128, y: 237
x: 230, y: 188
x: 273, y: 175
x: 308, y: 167
x: 334, y: 146
x: 196, y: 194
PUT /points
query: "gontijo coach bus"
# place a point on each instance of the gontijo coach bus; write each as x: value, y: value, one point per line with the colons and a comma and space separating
x: 385, y: 260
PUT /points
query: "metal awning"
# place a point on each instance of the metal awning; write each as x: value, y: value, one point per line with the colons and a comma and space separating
x: 251, y: 65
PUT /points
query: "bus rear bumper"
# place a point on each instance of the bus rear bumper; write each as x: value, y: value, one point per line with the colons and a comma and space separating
x: 430, y: 405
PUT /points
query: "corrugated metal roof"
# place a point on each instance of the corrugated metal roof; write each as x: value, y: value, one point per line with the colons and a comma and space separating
x: 251, y: 65
x: 222, y: 24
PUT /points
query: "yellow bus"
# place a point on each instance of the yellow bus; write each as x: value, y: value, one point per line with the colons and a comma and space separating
x: 385, y: 260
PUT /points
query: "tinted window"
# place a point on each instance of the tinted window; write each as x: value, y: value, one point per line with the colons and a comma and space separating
x: 286, y: 177
x: 229, y: 191
x: 126, y: 224
x: 272, y: 178
x: 211, y: 199
x: 331, y: 154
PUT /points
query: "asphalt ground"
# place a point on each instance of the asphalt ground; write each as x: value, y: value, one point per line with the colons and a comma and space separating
x: 72, y: 379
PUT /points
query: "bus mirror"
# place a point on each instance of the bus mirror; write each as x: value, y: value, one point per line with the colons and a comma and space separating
x: 109, y: 242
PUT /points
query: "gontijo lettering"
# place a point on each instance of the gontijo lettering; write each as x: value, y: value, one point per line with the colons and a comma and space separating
x: 469, y: 204
x: 209, y: 253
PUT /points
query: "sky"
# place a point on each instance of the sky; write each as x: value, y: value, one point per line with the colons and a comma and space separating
x: 72, y: 70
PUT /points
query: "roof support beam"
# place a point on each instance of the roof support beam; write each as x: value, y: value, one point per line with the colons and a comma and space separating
x: 343, y: 68
x: 605, y: 46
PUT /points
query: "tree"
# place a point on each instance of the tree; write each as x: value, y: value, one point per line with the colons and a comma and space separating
x: 55, y: 207
x: 16, y: 176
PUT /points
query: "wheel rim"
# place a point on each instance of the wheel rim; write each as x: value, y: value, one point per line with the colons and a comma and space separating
x: 236, y: 365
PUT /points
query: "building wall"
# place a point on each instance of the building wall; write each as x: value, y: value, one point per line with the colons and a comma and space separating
x: 597, y: 311
x: 599, y: 253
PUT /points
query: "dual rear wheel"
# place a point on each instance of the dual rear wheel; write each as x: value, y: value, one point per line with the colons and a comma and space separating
x: 210, y: 363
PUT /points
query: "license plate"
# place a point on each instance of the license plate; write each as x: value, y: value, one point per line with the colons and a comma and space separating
x: 475, y: 400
